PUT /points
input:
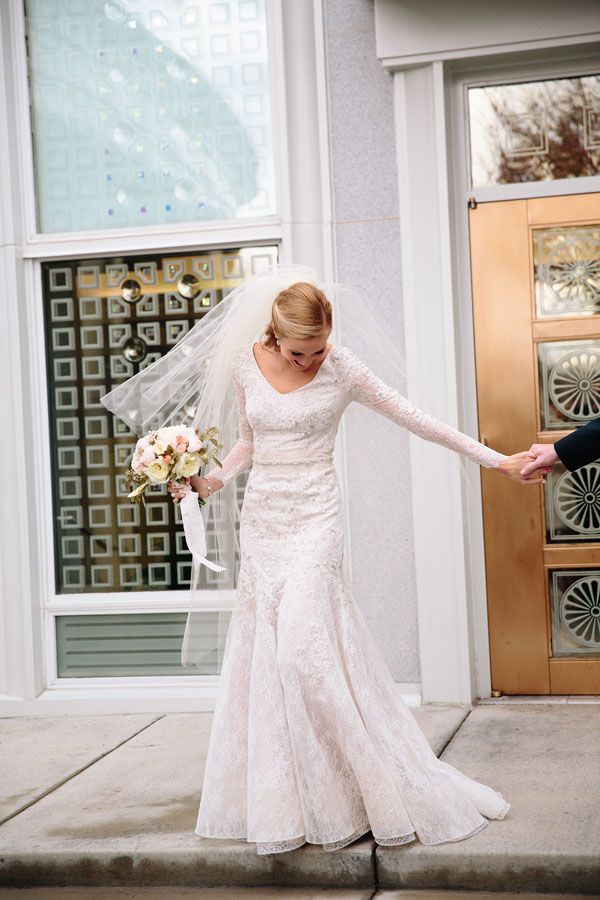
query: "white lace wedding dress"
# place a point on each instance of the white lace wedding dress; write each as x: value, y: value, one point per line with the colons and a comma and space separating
x: 310, y: 742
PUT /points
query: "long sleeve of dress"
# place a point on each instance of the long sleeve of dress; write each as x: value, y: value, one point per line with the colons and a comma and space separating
x: 371, y: 391
x: 239, y: 457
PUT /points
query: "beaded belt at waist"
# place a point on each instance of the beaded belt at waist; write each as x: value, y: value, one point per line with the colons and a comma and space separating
x: 304, y: 461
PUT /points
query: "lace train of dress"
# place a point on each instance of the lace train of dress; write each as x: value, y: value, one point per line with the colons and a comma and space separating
x: 310, y: 743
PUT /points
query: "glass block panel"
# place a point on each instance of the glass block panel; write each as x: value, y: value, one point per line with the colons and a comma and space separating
x: 535, y: 130
x: 575, y: 612
x: 573, y: 504
x: 567, y: 271
x: 123, y: 548
x: 149, y: 113
x: 134, y: 644
x: 569, y: 379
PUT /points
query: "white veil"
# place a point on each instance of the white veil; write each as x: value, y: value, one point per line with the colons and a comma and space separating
x: 192, y: 384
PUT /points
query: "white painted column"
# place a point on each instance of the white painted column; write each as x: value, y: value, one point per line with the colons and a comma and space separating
x: 20, y: 564
x: 442, y: 596
x: 306, y: 202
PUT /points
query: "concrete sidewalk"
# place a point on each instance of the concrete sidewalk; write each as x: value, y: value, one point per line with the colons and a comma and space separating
x: 112, y: 801
x: 273, y: 893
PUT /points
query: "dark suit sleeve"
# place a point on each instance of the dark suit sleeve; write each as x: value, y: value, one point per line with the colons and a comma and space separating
x: 581, y: 447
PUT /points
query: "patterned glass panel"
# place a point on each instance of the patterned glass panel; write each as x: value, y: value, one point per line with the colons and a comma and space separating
x: 535, y: 131
x: 567, y: 271
x: 147, y: 113
x: 575, y: 612
x: 569, y: 375
x: 573, y: 504
x: 106, y: 319
x: 134, y: 644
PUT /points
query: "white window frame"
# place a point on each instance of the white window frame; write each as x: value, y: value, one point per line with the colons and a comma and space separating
x: 302, y: 230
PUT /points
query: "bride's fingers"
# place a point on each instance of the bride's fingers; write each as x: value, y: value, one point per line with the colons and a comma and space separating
x: 533, y: 480
x: 175, y: 491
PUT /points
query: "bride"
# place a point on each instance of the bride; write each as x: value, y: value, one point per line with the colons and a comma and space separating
x: 310, y: 742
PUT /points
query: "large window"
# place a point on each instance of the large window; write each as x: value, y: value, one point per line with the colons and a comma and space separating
x: 149, y: 113
x: 142, y: 114
x: 105, y: 320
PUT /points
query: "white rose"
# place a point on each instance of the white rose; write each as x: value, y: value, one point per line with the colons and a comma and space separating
x: 186, y: 466
x: 160, y: 444
x: 148, y: 456
x: 141, y: 444
x: 158, y: 471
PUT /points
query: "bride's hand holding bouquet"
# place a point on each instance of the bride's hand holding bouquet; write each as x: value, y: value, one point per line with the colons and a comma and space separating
x: 172, y: 455
x: 204, y: 487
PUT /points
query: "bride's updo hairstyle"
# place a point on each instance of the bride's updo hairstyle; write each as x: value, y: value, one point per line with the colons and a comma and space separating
x: 300, y: 311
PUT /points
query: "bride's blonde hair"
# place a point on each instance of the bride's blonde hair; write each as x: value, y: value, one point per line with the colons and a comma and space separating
x: 300, y: 311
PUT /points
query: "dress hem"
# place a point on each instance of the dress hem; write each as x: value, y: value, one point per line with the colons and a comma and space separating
x: 267, y: 848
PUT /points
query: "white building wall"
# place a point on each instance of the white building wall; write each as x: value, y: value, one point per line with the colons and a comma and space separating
x: 314, y: 54
x: 367, y: 248
x: 352, y: 208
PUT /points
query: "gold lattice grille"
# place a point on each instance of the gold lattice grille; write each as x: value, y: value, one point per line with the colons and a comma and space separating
x: 106, y: 319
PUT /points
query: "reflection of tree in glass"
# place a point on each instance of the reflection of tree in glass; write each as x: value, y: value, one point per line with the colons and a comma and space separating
x: 545, y: 130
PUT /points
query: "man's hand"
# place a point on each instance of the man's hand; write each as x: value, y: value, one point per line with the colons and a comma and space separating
x: 513, y: 467
x: 543, y: 456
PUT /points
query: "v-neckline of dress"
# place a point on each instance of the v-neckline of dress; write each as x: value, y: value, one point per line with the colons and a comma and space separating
x: 295, y: 390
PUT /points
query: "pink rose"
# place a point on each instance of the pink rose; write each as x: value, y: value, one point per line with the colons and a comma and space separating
x: 194, y: 444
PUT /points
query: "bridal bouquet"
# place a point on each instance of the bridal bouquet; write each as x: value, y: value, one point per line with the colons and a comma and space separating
x: 175, y: 453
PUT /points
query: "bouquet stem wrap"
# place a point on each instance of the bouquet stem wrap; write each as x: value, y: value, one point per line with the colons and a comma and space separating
x: 193, y: 527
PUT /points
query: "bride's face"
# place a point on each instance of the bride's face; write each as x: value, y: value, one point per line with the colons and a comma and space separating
x: 304, y: 354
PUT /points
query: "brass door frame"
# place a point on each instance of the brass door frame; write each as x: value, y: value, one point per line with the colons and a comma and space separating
x: 506, y: 331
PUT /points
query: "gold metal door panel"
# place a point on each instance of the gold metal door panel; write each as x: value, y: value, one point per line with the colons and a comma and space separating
x: 529, y: 345
x: 506, y: 406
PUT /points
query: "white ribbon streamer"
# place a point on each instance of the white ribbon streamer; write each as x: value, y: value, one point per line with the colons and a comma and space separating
x: 193, y: 526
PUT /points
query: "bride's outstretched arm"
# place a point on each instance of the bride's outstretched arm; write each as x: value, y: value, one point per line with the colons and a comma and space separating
x: 371, y: 391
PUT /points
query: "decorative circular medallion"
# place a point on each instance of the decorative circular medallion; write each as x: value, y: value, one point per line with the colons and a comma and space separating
x: 580, y: 610
x: 577, y: 499
x: 574, y: 385
x: 573, y: 270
